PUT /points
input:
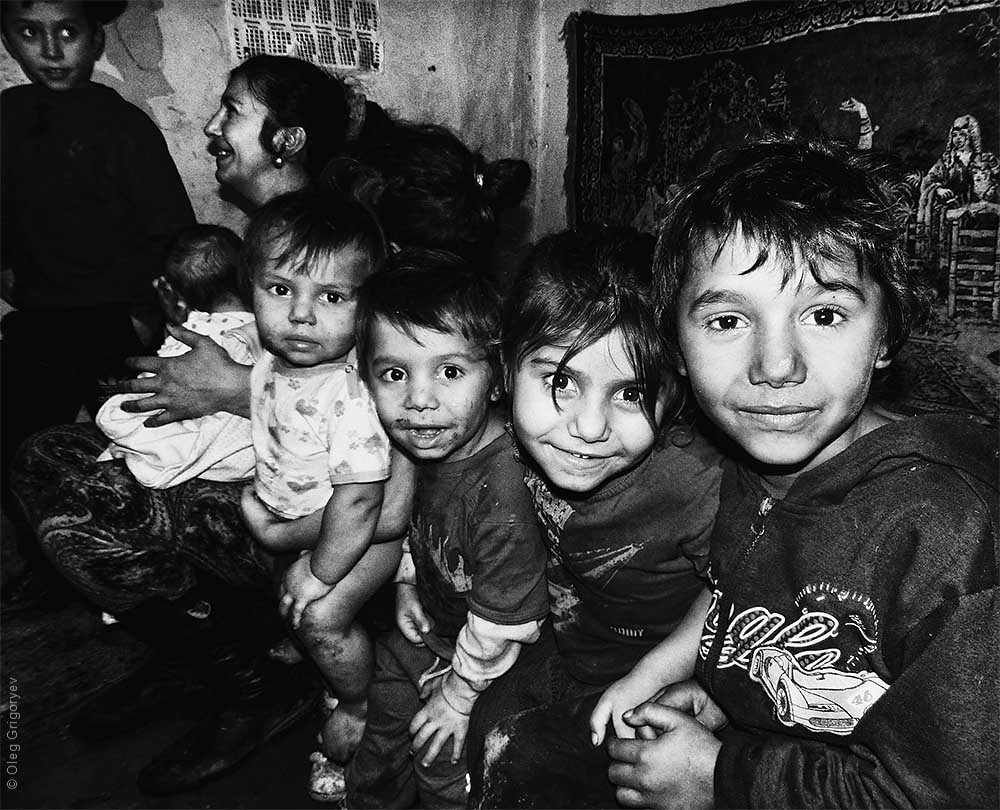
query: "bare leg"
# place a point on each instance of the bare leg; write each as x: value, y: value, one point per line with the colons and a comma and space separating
x: 341, y: 649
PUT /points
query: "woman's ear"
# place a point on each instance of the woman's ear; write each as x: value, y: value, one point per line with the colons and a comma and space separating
x: 288, y: 141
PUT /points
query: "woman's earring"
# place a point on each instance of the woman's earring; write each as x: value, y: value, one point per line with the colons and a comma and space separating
x: 279, y: 161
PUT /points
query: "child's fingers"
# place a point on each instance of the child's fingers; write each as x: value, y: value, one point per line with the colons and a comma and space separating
x: 598, y: 722
x: 433, y: 748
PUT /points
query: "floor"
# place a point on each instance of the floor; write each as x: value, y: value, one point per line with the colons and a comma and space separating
x: 46, y: 766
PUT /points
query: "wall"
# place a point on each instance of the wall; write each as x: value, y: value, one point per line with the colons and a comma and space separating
x: 494, y: 70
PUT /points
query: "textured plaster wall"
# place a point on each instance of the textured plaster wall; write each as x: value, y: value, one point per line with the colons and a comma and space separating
x: 494, y: 70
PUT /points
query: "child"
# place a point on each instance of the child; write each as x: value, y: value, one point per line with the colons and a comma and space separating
x: 850, y: 634
x: 322, y: 456
x: 91, y: 197
x: 199, y: 289
x: 626, y: 495
x: 471, y: 590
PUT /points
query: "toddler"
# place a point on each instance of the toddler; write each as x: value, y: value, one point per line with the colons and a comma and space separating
x: 199, y: 289
x: 626, y: 493
x: 322, y: 455
x: 849, y: 634
x: 471, y: 589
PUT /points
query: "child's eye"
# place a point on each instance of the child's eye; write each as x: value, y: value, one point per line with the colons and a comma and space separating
x: 26, y: 32
x: 279, y: 289
x: 631, y: 396
x: 451, y: 372
x: 725, y: 323
x: 68, y: 33
x: 824, y: 316
x: 393, y: 375
x: 332, y: 298
x: 560, y: 383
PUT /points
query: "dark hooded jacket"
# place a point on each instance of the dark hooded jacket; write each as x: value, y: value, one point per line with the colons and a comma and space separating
x: 853, y: 635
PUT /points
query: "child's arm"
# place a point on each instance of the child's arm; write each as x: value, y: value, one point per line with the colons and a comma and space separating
x: 348, y: 525
x: 278, y: 535
x: 669, y: 661
x: 483, y: 652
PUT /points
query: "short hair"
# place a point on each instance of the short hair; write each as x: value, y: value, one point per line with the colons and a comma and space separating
x: 202, y: 264
x: 429, y: 189
x: 298, y: 94
x: 431, y: 289
x: 577, y: 286
x: 790, y: 194
x: 97, y: 12
x: 309, y: 225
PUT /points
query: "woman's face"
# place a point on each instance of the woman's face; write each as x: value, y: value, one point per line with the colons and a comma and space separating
x: 241, y: 162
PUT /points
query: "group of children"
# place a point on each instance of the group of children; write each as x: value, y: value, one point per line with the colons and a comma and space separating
x: 651, y: 542
x: 776, y: 594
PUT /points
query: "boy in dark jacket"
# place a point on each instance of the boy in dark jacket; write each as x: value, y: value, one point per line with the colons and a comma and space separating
x: 849, y: 636
x: 90, y: 199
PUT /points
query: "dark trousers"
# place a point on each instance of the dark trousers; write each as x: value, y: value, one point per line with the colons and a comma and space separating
x: 51, y: 363
x: 529, y: 737
x: 383, y: 772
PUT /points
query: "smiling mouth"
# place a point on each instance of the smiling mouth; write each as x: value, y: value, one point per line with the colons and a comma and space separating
x: 217, y: 150
x: 785, y: 416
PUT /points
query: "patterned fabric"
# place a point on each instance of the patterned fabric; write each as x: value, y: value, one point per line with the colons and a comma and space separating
x: 119, y: 542
x: 313, y: 429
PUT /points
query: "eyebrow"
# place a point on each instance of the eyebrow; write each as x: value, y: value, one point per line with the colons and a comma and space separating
x: 712, y: 297
x: 546, y: 364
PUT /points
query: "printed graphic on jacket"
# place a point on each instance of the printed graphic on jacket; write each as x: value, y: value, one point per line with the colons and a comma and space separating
x: 811, y: 665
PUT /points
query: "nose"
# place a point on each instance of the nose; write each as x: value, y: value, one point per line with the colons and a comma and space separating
x: 777, y: 358
x: 52, y: 47
x: 589, y: 420
x: 420, y: 395
x: 303, y: 310
x: 212, y: 126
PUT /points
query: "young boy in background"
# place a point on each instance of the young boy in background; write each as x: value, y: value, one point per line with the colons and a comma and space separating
x: 850, y: 634
x: 200, y: 290
x: 90, y: 198
x: 471, y: 589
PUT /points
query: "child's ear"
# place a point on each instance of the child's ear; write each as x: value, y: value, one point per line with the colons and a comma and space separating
x: 496, y: 391
x: 682, y: 368
x: 288, y: 141
x: 882, y: 359
x: 175, y: 308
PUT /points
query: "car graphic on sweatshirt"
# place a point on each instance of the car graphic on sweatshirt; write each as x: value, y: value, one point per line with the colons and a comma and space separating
x: 825, y: 699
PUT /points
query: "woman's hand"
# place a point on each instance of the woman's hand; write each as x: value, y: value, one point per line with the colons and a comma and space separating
x: 202, y: 381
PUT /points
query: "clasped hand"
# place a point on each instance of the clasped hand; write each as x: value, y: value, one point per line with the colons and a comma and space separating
x: 300, y: 588
x: 671, y: 763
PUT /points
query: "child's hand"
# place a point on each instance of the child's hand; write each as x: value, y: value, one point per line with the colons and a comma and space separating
x: 676, y: 769
x: 299, y: 589
x: 624, y: 694
x: 436, y: 721
x: 410, y: 616
x: 259, y: 518
x: 691, y: 698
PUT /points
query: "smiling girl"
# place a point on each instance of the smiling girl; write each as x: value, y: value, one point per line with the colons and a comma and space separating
x: 627, y: 497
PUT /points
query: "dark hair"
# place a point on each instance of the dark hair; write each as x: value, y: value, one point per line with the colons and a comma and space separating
x: 428, y: 188
x: 577, y: 286
x: 431, y: 289
x: 97, y: 12
x: 201, y: 265
x: 298, y: 94
x: 309, y: 225
x: 791, y: 195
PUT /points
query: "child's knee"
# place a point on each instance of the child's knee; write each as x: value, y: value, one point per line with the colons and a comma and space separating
x: 322, y: 625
